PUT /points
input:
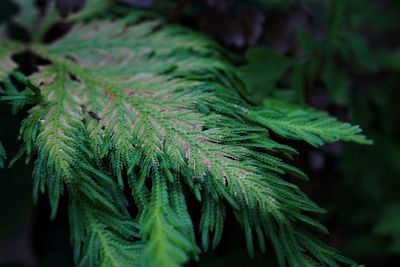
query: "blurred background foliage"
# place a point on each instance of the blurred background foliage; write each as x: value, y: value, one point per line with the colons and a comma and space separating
x: 340, y: 56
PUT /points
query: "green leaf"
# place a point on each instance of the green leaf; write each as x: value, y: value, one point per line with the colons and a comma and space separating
x: 263, y: 70
x: 337, y: 82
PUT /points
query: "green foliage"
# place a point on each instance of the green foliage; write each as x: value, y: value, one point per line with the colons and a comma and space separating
x: 263, y: 70
x: 2, y: 155
x: 18, y: 99
x: 28, y: 14
x: 353, y: 69
x: 307, y: 124
x: 136, y: 103
x: 38, y: 22
x: 6, y: 50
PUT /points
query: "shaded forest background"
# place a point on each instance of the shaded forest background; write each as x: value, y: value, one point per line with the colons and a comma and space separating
x: 339, y: 56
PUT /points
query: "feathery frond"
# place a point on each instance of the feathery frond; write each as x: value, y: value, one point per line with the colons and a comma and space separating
x: 134, y: 102
x: 304, y: 123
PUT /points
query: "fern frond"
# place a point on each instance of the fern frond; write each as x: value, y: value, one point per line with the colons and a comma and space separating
x: 56, y: 132
x: 102, y: 237
x: 212, y: 220
x: 91, y: 8
x: 137, y: 103
x: 38, y: 23
x: 167, y: 228
x: 18, y: 99
x: 304, y: 123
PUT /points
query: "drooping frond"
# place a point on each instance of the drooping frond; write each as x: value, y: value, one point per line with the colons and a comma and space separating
x: 18, y: 99
x: 167, y: 228
x: 304, y: 123
x: 102, y: 236
x: 7, y: 66
x: 154, y: 107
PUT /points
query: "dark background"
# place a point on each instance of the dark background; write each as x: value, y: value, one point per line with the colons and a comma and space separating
x: 339, y: 56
